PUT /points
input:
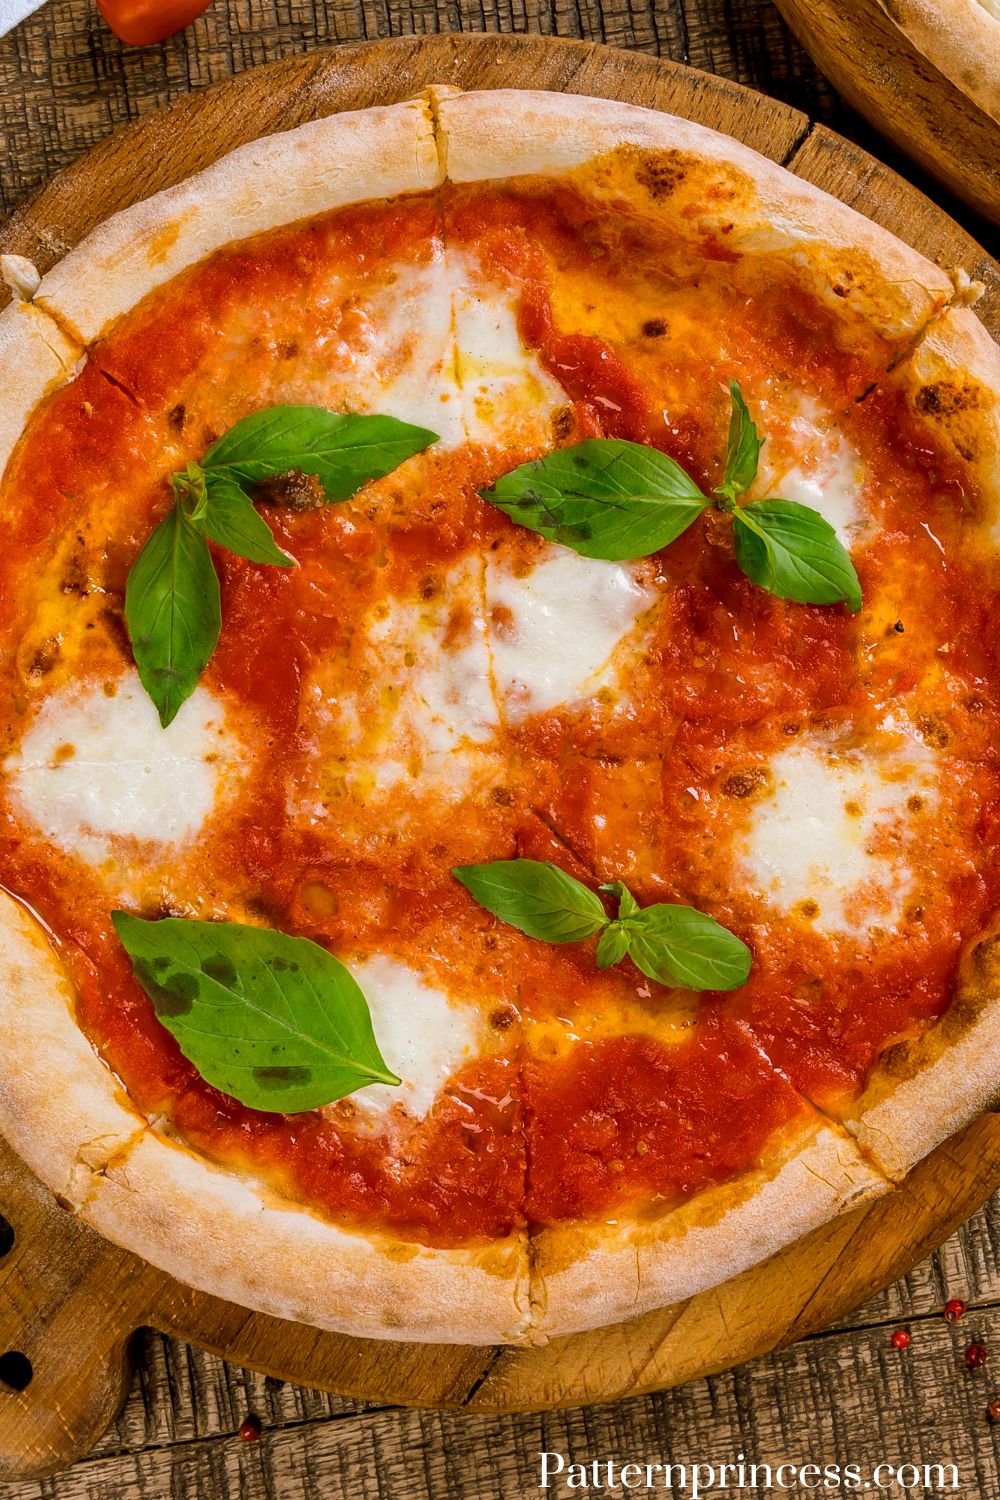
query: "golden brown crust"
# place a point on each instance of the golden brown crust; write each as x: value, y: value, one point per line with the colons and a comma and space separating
x: 226, y: 1235
x: 590, y: 1275
x: 698, y: 181
x: 61, y: 1109
x: 960, y: 38
x: 925, y: 1089
x: 35, y: 357
x: 952, y: 384
x: 326, y: 164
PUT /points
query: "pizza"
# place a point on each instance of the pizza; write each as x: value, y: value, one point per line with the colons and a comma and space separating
x: 961, y: 38
x: 500, y: 778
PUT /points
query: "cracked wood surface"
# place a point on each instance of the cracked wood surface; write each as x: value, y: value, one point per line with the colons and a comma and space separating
x: 844, y: 1394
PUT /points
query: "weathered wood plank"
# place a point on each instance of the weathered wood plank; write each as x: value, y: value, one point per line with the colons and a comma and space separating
x: 843, y: 1397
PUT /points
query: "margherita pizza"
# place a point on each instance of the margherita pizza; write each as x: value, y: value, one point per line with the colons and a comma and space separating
x: 500, y: 777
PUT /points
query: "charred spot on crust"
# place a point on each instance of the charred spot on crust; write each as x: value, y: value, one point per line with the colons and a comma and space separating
x: 296, y: 490
x: 661, y: 173
x: 278, y: 1077
x: 944, y: 398
x: 654, y: 328
x: 502, y: 796
x: 895, y: 1061
x: 503, y: 1018
x: 176, y: 415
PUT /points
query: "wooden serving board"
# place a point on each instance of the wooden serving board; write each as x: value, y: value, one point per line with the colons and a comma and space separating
x: 898, y: 89
x: 70, y: 1301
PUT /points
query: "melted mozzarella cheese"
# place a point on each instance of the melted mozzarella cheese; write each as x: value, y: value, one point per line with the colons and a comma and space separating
x: 437, y: 344
x: 406, y: 365
x: 423, y: 1034
x: 554, y: 630
x: 95, y: 767
x: 809, y: 461
x: 507, y: 396
x: 839, y: 831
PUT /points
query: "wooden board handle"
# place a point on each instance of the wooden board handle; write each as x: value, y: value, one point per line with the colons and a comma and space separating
x: 66, y: 1317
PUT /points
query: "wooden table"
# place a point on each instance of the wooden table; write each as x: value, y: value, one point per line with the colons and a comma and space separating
x: 844, y: 1396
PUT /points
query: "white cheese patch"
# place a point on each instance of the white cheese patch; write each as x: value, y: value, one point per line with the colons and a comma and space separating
x: 424, y: 1035
x: 813, y: 464
x: 95, y: 768
x: 507, y: 395
x: 405, y: 365
x: 837, y: 830
x: 437, y: 344
x: 554, y: 631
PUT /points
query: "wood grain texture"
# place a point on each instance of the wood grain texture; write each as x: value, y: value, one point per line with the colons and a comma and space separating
x: 64, y: 83
x: 895, y: 86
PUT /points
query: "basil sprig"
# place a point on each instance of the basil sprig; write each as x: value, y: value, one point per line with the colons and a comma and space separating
x: 274, y: 1021
x: 172, y: 606
x: 615, y: 500
x: 675, y: 945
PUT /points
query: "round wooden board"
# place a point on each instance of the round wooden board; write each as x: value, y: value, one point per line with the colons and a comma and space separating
x: 69, y: 1300
x: 889, y: 80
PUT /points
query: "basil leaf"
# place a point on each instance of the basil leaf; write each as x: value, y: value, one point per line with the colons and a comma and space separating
x: 173, y: 612
x: 230, y: 519
x: 627, y: 904
x: 612, y: 945
x: 274, y: 1021
x: 679, y: 946
x: 794, y: 553
x: 536, y: 897
x: 344, y: 452
x: 742, y: 448
x: 604, y: 498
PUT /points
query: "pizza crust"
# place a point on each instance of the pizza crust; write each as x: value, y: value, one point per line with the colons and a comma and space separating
x: 324, y: 165
x: 226, y: 1235
x: 960, y: 38
x: 952, y: 383
x: 35, y: 358
x: 61, y: 1109
x: 587, y: 1276
x: 695, y: 179
x: 925, y: 1089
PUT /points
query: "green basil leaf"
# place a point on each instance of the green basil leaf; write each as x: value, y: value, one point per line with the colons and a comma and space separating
x: 344, y: 452
x: 627, y: 904
x: 794, y: 553
x: 612, y: 945
x: 536, y: 897
x: 679, y: 946
x: 173, y: 612
x: 604, y: 498
x: 742, y: 448
x: 274, y: 1021
x: 230, y: 519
